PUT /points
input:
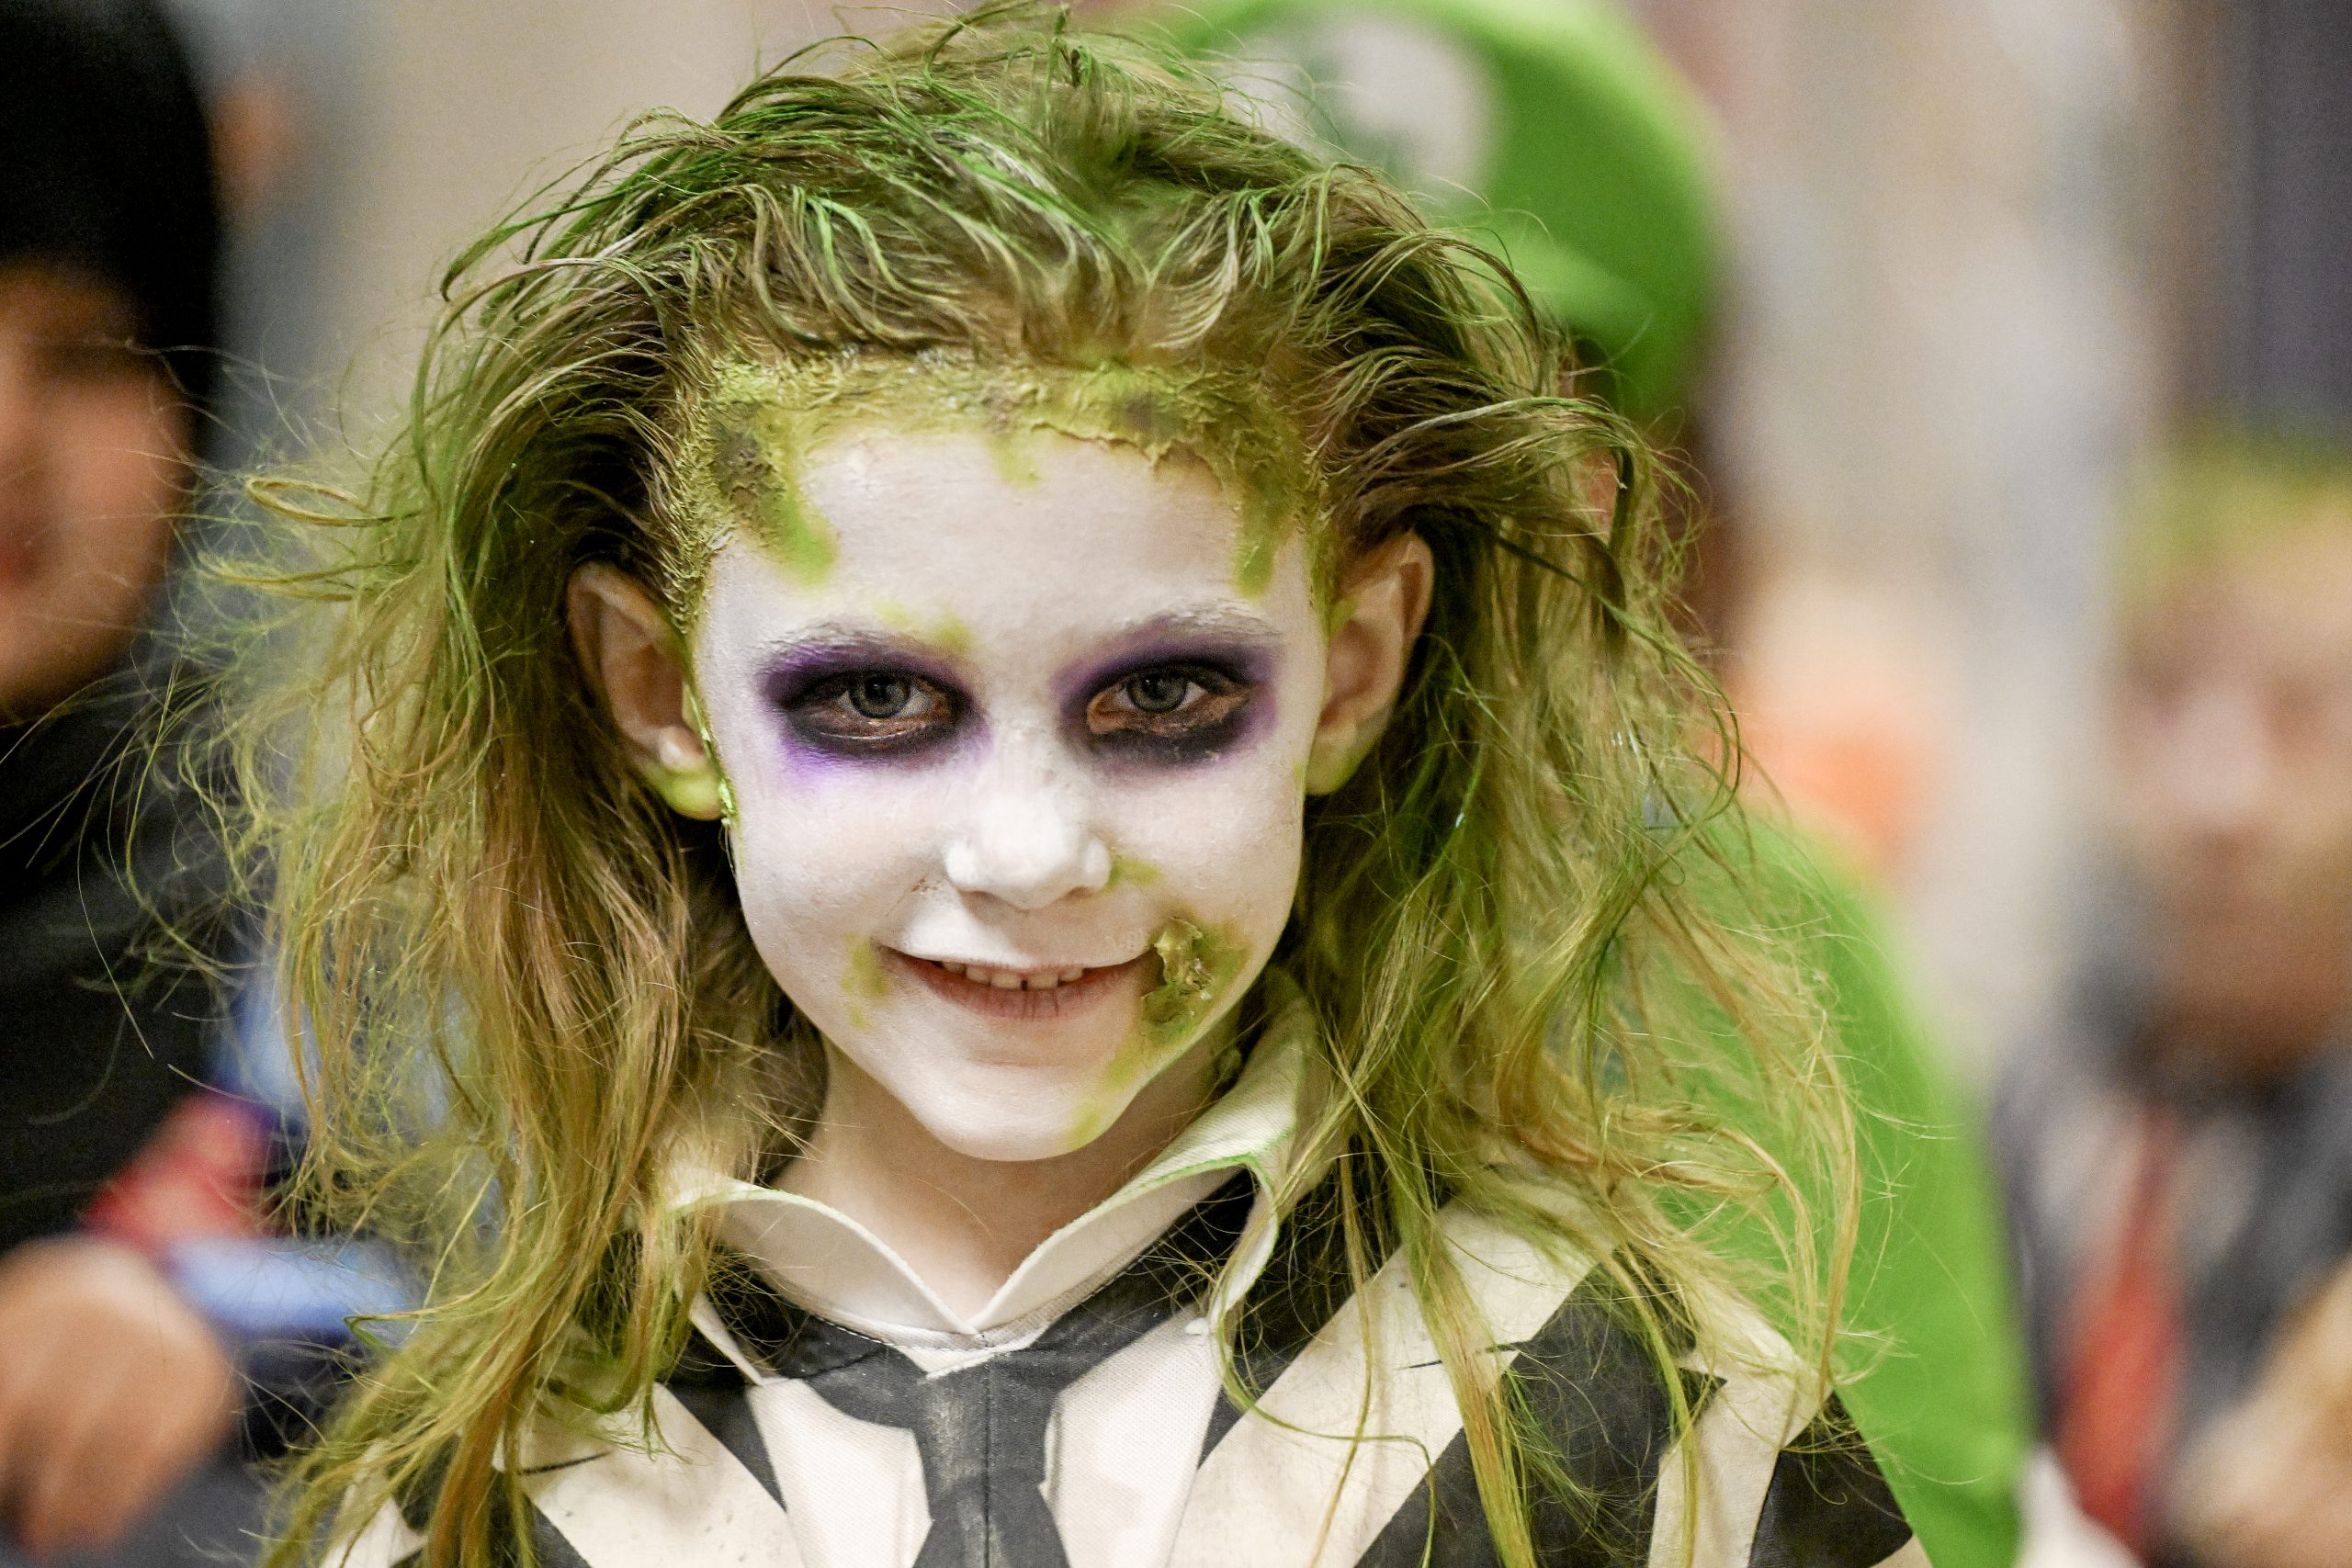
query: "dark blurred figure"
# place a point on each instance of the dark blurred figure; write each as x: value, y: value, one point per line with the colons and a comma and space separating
x: 112, y: 1389
x: 2182, y: 1172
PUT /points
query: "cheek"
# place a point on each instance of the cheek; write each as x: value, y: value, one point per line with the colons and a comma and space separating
x: 1220, y: 842
x: 816, y: 877
x: 116, y: 493
x: 117, y: 452
x: 823, y: 850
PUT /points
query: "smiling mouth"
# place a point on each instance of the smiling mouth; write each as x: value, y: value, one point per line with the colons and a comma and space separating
x: 1021, y: 993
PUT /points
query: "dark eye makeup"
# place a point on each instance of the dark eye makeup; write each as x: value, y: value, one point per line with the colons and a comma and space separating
x: 1169, y: 710
x: 872, y: 713
x: 1175, y: 712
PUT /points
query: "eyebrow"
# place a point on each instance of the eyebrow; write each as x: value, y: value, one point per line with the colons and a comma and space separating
x: 829, y: 639
x: 838, y: 639
x: 828, y: 646
x: 1220, y: 620
x: 1206, y: 630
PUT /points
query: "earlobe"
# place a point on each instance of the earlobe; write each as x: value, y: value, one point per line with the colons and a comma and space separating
x: 628, y: 650
x: 1383, y: 603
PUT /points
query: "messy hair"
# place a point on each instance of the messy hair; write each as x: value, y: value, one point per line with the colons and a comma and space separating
x: 1517, y: 988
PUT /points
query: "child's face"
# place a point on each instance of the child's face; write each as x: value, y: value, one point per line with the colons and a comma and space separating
x: 1017, y: 779
x: 92, y: 458
x: 2233, y: 786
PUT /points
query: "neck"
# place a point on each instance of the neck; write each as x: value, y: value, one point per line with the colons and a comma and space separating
x: 961, y: 1222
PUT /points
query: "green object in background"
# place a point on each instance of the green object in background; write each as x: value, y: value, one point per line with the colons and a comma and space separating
x: 1944, y: 1403
x: 1554, y: 126
x: 1932, y: 1370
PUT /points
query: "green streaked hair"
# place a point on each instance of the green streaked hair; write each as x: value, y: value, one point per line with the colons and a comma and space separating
x: 1518, y: 987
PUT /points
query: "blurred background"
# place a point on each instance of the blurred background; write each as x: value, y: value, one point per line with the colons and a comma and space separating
x: 1983, y: 253
x: 2011, y: 344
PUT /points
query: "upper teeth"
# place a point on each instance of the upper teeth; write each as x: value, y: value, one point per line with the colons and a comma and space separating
x: 1013, y: 979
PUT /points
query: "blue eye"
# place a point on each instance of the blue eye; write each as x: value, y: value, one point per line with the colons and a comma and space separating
x: 872, y: 711
x: 881, y: 697
x: 1179, y: 711
x: 1159, y: 691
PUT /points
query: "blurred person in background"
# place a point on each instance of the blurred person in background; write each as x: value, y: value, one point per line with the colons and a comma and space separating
x: 132, y: 1310
x: 1557, y: 133
x: 2181, y: 1173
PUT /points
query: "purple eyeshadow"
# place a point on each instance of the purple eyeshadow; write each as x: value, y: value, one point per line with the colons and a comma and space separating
x: 1245, y: 665
x: 802, y: 682
x: 1247, y: 660
x: 813, y: 692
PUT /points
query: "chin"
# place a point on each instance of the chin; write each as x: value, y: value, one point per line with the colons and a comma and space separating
x: 1015, y: 1115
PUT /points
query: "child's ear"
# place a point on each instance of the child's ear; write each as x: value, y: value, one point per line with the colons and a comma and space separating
x: 1380, y: 606
x: 627, y: 646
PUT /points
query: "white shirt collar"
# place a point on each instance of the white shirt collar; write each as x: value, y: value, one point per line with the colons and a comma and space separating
x: 830, y: 1264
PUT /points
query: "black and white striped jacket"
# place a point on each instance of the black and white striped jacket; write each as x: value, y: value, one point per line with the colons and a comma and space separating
x: 1352, y: 1452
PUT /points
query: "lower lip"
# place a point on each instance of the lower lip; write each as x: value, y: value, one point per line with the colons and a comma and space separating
x: 1065, y: 1000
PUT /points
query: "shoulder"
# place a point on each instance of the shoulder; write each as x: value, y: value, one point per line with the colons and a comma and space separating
x: 1658, y: 1423
x: 1740, y: 1455
x: 683, y: 1494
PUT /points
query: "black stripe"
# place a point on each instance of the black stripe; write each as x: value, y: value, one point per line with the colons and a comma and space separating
x: 548, y: 1548
x: 779, y: 1338
x: 979, y: 1430
x: 1595, y: 1392
x: 415, y: 1500
x: 1304, y: 1284
x: 1828, y: 1505
x: 719, y: 1397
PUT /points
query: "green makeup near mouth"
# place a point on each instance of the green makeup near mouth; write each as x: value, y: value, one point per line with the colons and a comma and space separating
x: 1197, y: 965
x: 865, y: 981
x: 1127, y: 872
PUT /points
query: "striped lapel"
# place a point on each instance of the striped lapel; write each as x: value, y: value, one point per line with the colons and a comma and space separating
x: 694, y: 1506
x: 1331, y: 1455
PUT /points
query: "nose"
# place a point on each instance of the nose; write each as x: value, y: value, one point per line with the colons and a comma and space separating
x: 1028, y: 840
x: 2220, y: 761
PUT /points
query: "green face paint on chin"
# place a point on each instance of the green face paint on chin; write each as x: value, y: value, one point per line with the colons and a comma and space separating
x: 1198, y: 968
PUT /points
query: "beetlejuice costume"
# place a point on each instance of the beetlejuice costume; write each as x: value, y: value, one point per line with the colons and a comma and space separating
x: 832, y: 1413
x: 1558, y: 131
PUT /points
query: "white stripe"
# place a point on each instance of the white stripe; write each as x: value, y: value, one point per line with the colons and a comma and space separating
x: 691, y: 1507
x: 1319, y: 1451
x: 385, y: 1541
x: 1764, y: 1403
x: 1910, y: 1554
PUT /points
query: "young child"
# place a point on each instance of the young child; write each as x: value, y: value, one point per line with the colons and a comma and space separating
x: 1032, y: 791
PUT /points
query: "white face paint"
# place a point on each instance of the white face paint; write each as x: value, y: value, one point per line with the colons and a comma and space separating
x: 1026, y: 744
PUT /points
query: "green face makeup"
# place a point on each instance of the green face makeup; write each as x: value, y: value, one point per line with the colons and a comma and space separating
x: 865, y: 981
x: 1196, y: 967
x: 751, y: 468
x: 748, y: 437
